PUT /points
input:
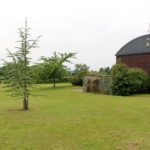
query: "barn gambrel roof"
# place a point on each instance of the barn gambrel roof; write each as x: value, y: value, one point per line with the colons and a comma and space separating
x: 136, y: 46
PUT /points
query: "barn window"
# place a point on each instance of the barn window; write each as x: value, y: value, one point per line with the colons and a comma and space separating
x: 147, y: 39
x: 147, y: 44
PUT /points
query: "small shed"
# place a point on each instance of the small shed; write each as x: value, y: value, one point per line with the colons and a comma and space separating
x: 100, y: 84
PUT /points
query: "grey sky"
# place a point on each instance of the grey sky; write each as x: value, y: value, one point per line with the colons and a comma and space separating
x: 96, y: 29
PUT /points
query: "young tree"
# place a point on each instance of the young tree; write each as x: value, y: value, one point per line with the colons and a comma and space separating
x: 81, y: 69
x: 54, y: 66
x: 17, y: 73
x: 79, y: 72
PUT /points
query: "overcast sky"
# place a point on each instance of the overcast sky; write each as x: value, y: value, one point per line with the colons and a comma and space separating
x: 96, y: 29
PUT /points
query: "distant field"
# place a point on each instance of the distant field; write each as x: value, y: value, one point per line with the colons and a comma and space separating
x: 65, y: 118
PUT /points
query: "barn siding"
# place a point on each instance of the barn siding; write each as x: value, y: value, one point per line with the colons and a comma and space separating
x: 137, y: 61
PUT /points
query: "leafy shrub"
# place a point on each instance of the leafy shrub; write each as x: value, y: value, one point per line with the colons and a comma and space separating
x: 129, y: 81
x: 76, y: 80
x: 139, y: 81
x: 120, y: 83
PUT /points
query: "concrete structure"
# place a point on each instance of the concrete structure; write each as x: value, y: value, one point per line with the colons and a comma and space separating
x: 136, y: 53
x: 100, y: 84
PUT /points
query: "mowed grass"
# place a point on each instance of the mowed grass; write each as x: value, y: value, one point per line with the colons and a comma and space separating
x: 65, y: 118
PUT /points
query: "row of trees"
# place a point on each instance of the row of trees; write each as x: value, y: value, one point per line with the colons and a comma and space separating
x: 52, y: 70
x: 19, y: 74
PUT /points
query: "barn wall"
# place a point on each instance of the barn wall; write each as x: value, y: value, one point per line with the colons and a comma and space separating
x: 138, y: 61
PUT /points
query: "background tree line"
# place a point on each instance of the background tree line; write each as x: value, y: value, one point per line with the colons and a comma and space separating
x: 52, y: 70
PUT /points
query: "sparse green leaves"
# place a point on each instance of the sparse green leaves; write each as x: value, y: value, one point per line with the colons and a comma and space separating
x: 17, y: 73
x: 54, y: 66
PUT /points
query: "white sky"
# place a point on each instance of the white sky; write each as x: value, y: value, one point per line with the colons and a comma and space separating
x: 96, y: 29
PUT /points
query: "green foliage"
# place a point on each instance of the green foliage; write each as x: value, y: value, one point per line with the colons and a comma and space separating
x: 17, y: 73
x: 105, y: 71
x: 139, y: 81
x: 53, y: 67
x: 80, y: 71
x: 37, y: 74
x: 76, y: 80
x: 120, y: 84
x: 94, y: 73
x: 129, y: 81
x: 2, y: 70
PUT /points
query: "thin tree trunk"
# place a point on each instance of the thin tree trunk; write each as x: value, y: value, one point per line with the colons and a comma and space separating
x: 25, y: 102
x: 54, y: 82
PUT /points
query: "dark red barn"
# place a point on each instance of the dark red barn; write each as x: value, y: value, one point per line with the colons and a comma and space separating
x: 136, y: 53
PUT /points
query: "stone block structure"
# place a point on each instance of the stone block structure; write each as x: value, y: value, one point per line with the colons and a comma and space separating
x: 100, y: 84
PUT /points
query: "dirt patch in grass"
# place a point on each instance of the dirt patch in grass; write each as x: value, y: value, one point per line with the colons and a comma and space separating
x: 78, y: 90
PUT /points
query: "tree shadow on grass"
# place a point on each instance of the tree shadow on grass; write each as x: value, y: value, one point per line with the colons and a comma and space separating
x: 140, y: 95
x: 18, y: 110
x: 54, y: 88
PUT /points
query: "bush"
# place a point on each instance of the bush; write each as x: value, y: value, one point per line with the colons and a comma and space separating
x: 139, y: 81
x: 129, y: 81
x: 76, y: 80
x: 120, y: 83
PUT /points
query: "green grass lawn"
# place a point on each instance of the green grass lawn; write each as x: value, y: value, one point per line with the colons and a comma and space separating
x: 65, y: 118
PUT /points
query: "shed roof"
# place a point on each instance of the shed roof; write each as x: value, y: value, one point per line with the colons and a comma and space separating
x: 136, y: 46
